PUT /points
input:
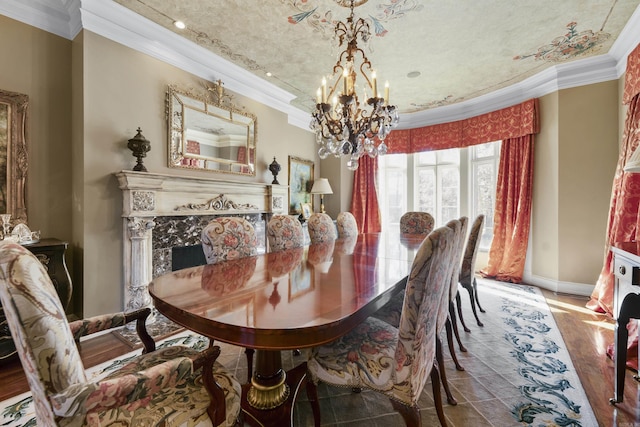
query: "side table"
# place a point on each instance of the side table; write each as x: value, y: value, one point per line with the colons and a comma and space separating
x: 626, y: 306
x: 51, y: 253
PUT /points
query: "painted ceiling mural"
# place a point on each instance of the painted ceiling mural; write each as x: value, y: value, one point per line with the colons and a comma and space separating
x: 433, y: 53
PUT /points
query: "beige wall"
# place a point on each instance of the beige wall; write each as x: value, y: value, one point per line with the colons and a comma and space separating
x: 576, y: 153
x: 124, y: 89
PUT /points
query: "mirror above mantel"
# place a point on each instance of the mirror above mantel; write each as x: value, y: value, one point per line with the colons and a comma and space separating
x: 208, y: 132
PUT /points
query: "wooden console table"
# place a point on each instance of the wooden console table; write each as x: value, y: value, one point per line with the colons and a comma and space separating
x: 51, y: 253
x: 626, y: 306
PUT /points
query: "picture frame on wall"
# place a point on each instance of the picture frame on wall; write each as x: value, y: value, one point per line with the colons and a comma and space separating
x: 307, y: 210
x: 300, y: 181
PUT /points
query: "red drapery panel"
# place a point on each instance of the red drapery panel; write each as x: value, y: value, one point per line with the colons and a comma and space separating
x: 632, y: 76
x: 624, y: 211
x: 511, y: 122
x: 512, y: 211
x: 364, y: 201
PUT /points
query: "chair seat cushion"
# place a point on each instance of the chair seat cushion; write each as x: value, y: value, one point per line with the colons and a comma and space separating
x: 362, y: 358
x: 183, y: 405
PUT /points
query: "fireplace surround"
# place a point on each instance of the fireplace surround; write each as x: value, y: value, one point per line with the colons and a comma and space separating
x: 161, y: 212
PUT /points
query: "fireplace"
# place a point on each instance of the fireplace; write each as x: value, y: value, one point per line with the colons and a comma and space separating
x: 163, y: 217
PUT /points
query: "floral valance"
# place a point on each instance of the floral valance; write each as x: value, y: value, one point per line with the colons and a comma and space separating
x: 632, y: 76
x: 510, y: 122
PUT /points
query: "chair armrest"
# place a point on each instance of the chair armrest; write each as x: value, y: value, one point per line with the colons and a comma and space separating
x: 139, y: 387
x: 91, y: 325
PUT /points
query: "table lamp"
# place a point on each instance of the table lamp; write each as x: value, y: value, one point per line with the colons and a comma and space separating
x: 321, y: 186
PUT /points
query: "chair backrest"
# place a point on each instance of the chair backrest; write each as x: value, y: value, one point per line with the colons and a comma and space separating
x: 426, y: 293
x: 321, y: 228
x: 284, y: 232
x: 228, y: 238
x: 347, y: 225
x: 39, y: 327
x: 470, y: 252
x: 416, y: 223
x: 460, y: 239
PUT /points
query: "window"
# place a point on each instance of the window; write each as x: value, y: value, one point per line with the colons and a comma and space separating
x: 446, y: 183
x: 484, y: 173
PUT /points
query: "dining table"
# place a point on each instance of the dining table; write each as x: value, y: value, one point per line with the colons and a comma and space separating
x: 292, y: 299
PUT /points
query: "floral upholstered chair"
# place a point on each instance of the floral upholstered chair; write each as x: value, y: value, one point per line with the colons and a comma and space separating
x: 284, y: 232
x: 467, y: 272
x: 158, y: 388
x: 394, y: 361
x: 228, y: 238
x: 347, y: 225
x: 321, y: 228
x: 416, y: 223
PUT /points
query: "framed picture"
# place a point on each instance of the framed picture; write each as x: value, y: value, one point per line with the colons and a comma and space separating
x: 307, y: 210
x: 300, y: 181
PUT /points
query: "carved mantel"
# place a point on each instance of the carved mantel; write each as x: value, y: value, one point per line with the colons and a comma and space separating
x: 147, y: 196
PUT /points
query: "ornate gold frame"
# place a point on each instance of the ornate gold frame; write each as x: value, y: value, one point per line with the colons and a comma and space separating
x: 13, y: 128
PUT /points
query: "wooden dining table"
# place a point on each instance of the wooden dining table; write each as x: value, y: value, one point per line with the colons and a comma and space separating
x: 292, y: 299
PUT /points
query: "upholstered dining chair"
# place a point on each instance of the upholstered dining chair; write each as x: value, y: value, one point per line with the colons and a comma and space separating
x: 467, y: 271
x: 459, y: 228
x: 158, y: 388
x: 415, y: 222
x: 321, y: 228
x: 347, y: 225
x: 228, y: 238
x: 284, y: 232
x: 394, y: 361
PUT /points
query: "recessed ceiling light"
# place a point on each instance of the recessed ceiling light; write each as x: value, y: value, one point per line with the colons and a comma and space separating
x: 413, y: 74
x: 179, y: 24
x: 269, y: 74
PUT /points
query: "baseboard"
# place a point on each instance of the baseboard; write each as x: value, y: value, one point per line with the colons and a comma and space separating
x: 571, y: 288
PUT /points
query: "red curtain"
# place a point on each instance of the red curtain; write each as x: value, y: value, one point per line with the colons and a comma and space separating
x: 364, y: 201
x: 624, y: 213
x: 512, y: 211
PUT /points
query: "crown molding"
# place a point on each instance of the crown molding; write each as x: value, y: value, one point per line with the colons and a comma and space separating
x: 115, y: 22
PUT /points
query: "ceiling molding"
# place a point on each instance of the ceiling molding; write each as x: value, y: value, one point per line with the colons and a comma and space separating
x: 65, y: 18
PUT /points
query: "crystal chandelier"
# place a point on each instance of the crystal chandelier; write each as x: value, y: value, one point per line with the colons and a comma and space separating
x: 346, y: 127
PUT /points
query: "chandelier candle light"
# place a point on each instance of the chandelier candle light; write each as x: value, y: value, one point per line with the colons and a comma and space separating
x: 347, y: 127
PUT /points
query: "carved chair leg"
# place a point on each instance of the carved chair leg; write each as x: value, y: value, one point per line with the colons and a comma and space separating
x: 475, y: 291
x: 452, y: 349
x: 454, y: 325
x: 437, y: 397
x: 443, y: 374
x: 312, y: 395
x: 249, y: 353
x: 472, y: 298
x: 410, y: 414
x: 459, y: 304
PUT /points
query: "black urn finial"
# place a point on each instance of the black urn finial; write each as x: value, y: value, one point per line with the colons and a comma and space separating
x: 274, y: 167
x: 139, y: 145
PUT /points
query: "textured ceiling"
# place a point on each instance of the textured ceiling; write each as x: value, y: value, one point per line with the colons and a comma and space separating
x: 461, y: 49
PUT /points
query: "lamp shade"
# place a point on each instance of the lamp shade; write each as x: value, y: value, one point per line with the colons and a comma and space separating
x: 321, y: 186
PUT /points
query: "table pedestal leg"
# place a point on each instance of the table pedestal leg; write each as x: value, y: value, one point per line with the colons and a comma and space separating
x: 269, y: 399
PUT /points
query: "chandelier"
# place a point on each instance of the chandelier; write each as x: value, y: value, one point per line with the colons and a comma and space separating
x: 344, y: 126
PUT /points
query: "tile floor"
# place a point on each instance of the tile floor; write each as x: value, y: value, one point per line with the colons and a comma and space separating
x: 483, y: 391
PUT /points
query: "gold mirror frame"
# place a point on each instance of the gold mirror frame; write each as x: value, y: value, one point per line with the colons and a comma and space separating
x: 207, y: 132
x: 14, y: 159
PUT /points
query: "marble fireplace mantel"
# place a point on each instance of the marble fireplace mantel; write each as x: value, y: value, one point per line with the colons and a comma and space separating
x: 148, y: 196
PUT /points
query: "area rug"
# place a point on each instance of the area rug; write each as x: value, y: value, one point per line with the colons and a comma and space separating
x: 550, y: 391
x: 18, y: 411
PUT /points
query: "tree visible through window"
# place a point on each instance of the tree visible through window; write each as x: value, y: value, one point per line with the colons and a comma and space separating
x: 431, y: 182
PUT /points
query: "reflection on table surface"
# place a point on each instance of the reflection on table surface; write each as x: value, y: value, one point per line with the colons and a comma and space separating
x: 287, y: 291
